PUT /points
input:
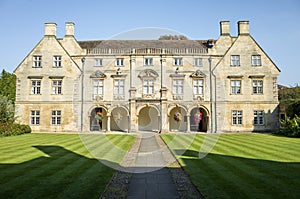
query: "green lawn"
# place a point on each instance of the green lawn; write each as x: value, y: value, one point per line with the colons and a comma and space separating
x: 57, y: 165
x: 241, y: 165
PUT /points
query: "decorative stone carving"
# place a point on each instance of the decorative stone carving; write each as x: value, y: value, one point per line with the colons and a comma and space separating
x: 148, y: 73
x: 197, y: 74
x: 98, y: 74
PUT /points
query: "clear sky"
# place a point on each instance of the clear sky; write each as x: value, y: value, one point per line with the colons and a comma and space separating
x: 274, y: 24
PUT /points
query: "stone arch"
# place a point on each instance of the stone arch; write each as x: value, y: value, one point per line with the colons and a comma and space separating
x: 199, y: 119
x: 148, y: 118
x: 95, y: 123
x: 119, y: 119
x: 177, y: 118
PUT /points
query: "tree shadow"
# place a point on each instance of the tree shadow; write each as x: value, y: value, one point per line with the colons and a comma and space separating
x: 223, y: 176
x: 59, y: 174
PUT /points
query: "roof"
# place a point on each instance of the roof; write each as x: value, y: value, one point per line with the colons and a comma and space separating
x: 138, y: 44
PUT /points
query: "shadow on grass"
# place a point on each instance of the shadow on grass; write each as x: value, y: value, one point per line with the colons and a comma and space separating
x: 221, y: 176
x: 59, y: 174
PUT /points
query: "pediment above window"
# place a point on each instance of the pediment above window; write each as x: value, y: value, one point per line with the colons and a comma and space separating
x: 148, y: 73
x: 98, y: 74
x: 197, y: 74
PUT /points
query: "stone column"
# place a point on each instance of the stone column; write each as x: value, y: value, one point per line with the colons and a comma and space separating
x: 108, y: 123
x: 164, y: 111
x: 188, y: 119
x: 133, y: 114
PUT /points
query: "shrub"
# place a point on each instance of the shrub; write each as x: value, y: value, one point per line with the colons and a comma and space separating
x: 290, y: 127
x: 14, y: 129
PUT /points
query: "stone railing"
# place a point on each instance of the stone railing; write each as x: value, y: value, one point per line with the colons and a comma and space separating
x: 142, y: 51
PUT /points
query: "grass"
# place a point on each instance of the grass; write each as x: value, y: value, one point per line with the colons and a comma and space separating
x: 57, y: 165
x: 241, y: 165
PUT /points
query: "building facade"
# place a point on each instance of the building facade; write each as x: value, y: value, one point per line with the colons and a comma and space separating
x: 223, y: 85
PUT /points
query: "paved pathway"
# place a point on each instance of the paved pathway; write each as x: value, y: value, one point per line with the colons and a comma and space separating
x: 149, y: 171
x: 151, y: 179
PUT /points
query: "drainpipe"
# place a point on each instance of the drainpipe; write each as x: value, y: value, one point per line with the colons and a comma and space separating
x: 211, y: 95
x: 82, y: 93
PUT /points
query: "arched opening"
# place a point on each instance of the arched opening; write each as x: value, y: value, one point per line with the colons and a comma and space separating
x: 199, y: 120
x: 148, y: 119
x: 177, y: 119
x: 119, y: 119
x: 98, y: 119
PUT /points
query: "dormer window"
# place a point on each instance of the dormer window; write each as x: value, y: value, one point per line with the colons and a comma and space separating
x: 37, y: 62
x: 177, y: 61
x: 256, y: 60
x: 119, y: 62
x: 57, y: 62
x: 234, y: 60
x: 148, y: 62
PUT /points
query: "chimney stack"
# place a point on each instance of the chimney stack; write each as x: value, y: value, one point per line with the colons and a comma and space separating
x: 50, y: 29
x: 243, y: 27
x: 70, y: 29
x: 224, y: 28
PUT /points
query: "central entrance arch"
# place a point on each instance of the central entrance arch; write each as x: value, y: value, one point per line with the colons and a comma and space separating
x: 199, y: 120
x: 98, y: 119
x: 119, y: 119
x: 177, y: 119
x: 148, y: 119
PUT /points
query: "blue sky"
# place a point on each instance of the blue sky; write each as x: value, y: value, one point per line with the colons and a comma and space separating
x: 275, y: 25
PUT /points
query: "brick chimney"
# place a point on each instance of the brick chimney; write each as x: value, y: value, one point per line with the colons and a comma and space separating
x: 243, y: 27
x: 70, y: 28
x: 50, y: 29
x: 225, y: 28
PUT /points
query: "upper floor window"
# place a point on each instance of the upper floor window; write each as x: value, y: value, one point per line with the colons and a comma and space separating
x: 98, y: 62
x: 198, y: 62
x: 119, y: 87
x: 234, y: 60
x: 258, y: 117
x: 35, y: 117
x: 148, y: 62
x: 56, y: 117
x: 35, y: 87
x: 198, y: 86
x: 235, y: 87
x: 119, y: 62
x: 37, y: 62
x: 177, y: 61
x: 56, y: 87
x: 98, y: 88
x: 57, y: 61
x: 256, y: 60
x: 148, y: 86
x: 257, y: 86
x: 178, y: 86
x: 237, y: 117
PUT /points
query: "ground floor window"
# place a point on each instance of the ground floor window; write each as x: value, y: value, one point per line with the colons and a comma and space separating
x: 56, y: 117
x: 237, y: 117
x: 258, y: 117
x: 35, y: 117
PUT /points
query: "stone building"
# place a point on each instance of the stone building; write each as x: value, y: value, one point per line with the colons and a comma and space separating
x: 223, y: 85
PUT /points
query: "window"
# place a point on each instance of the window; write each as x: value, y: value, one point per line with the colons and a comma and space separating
x: 256, y: 60
x: 119, y: 87
x: 98, y: 87
x: 234, y: 60
x: 257, y: 86
x: 35, y: 87
x: 258, y: 117
x: 178, y: 86
x: 198, y: 62
x: 235, y: 87
x: 57, y: 61
x: 37, y: 62
x: 119, y: 62
x: 178, y: 61
x: 198, y: 86
x: 56, y: 87
x: 98, y: 62
x: 148, y: 62
x: 148, y: 86
x: 56, y: 117
x: 35, y: 117
x: 237, y: 117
